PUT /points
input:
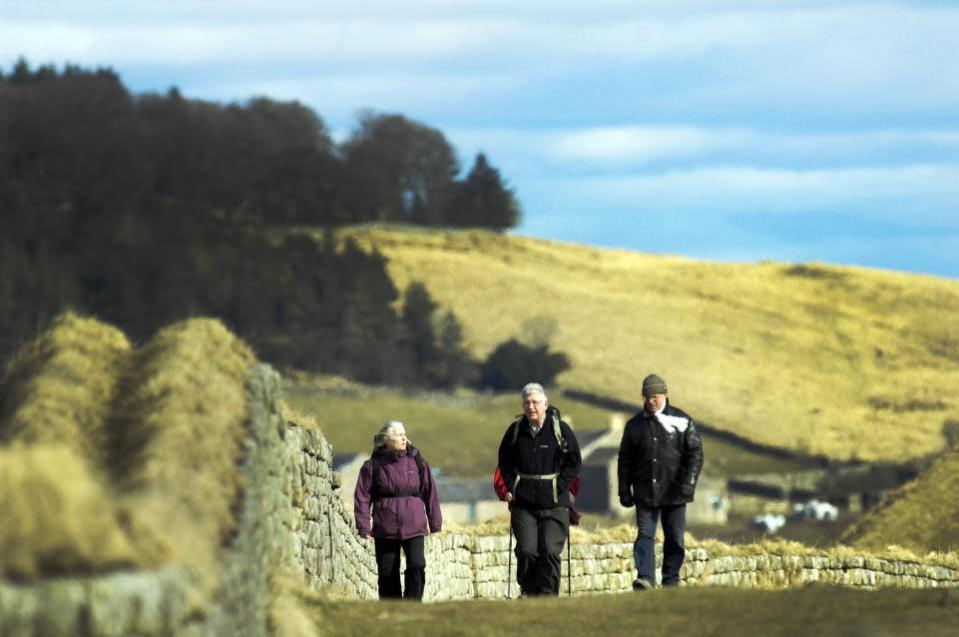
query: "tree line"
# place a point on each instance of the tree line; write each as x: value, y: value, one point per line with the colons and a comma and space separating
x: 145, y: 209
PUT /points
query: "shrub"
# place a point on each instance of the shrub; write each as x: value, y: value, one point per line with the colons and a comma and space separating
x: 511, y: 365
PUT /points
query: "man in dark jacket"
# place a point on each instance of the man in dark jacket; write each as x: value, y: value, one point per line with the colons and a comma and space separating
x: 660, y: 458
x: 538, y: 459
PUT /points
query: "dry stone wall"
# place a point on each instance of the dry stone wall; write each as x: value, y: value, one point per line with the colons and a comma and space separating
x: 292, y: 520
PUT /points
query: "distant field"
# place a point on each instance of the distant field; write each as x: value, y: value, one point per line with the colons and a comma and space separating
x: 718, y: 612
x: 460, y: 433
x: 840, y: 361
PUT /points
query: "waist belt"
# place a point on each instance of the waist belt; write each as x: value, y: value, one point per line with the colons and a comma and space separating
x: 542, y: 476
x: 398, y: 495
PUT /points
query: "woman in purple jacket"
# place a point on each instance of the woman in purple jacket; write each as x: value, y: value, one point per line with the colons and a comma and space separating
x: 396, y: 482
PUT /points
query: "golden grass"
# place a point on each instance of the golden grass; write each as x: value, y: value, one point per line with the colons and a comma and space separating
x: 57, y: 516
x: 923, y: 515
x: 60, y: 388
x: 840, y: 361
x: 181, y: 431
x: 115, y: 457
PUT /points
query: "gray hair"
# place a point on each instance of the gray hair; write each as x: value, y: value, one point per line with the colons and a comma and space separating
x: 533, y: 388
x: 379, y: 440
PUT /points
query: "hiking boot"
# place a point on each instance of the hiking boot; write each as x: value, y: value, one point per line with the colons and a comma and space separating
x: 639, y: 584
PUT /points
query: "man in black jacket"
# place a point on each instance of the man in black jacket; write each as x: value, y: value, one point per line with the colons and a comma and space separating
x: 538, y: 459
x: 660, y: 458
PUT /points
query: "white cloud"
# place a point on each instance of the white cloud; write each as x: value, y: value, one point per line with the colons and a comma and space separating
x: 926, y: 194
x: 882, y: 37
x: 641, y: 143
x: 626, y: 149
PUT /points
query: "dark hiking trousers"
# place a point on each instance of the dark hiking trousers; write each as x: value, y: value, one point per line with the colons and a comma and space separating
x: 674, y: 547
x: 540, y: 536
x: 388, y: 568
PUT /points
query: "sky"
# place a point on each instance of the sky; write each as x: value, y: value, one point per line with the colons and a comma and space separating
x: 737, y: 131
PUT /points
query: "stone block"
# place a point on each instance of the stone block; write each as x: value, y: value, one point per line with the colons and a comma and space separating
x: 18, y: 607
x: 62, y: 607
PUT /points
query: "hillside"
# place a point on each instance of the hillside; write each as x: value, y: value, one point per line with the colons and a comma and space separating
x: 922, y: 516
x: 839, y: 361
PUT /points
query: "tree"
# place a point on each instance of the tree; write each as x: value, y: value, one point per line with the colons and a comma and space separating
x: 435, y: 343
x: 417, y: 320
x: 511, y: 365
x: 455, y: 367
x: 398, y: 170
x: 481, y: 200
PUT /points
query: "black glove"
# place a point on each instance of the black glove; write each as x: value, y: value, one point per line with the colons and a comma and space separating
x: 626, y: 499
x: 687, y: 490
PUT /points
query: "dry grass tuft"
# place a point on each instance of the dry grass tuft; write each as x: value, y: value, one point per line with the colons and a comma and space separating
x: 60, y: 388
x: 122, y: 458
x: 301, y: 419
x: 180, y: 432
x: 289, y: 616
x: 59, y: 518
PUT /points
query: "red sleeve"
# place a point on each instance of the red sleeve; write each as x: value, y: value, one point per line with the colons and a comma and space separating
x: 574, y: 486
x: 499, y: 485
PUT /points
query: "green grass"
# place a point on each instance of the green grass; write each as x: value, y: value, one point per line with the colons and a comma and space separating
x: 840, y: 361
x: 715, y: 612
x: 460, y: 433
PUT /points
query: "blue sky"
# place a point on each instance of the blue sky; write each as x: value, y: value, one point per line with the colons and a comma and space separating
x: 734, y: 131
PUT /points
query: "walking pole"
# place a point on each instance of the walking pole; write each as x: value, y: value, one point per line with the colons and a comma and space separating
x: 509, y: 569
x: 569, y: 564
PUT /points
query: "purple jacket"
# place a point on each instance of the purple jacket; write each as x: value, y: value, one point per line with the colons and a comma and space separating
x: 401, y: 509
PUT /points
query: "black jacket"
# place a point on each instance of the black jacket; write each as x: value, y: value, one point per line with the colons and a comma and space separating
x: 658, y: 467
x: 520, y: 452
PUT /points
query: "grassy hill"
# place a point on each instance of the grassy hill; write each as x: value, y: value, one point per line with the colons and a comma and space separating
x: 922, y: 516
x: 840, y: 361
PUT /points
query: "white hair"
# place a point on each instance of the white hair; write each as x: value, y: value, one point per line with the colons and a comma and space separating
x: 379, y: 440
x: 534, y: 388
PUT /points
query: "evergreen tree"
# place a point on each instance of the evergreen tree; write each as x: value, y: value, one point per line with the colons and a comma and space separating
x: 435, y: 342
x: 417, y: 318
x: 455, y: 367
x: 482, y: 200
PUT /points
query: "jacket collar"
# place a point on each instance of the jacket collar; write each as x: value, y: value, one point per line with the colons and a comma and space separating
x: 387, y: 455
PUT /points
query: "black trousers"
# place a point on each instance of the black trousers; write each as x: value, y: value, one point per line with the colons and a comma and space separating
x: 540, y: 536
x: 388, y: 568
